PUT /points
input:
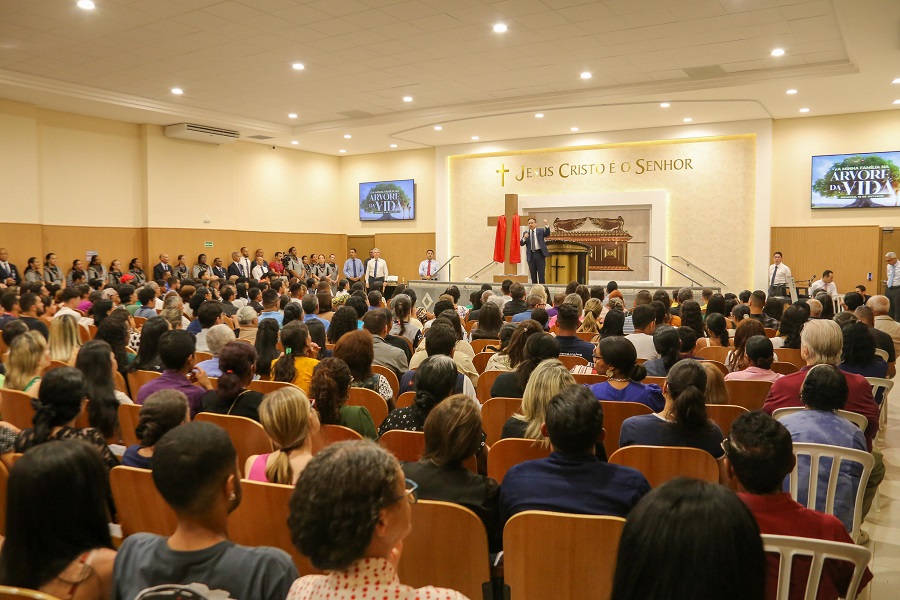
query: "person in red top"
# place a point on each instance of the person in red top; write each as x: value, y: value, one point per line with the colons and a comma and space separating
x: 759, y: 455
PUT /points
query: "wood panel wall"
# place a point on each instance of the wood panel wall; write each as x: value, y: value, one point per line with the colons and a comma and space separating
x: 851, y: 252
x: 404, y: 251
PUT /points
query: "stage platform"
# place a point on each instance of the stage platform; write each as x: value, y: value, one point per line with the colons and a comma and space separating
x: 427, y: 292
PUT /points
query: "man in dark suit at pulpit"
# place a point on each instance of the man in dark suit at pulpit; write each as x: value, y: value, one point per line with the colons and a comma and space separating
x: 535, y: 249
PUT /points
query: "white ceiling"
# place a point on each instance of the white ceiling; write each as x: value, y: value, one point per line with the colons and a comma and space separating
x: 709, y: 58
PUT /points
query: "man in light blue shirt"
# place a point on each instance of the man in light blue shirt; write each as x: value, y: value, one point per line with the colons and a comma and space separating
x: 533, y: 302
x: 353, y: 267
x: 270, y: 307
x: 310, y: 305
x: 893, y: 284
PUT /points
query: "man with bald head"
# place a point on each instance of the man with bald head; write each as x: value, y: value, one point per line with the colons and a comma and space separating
x: 892, y: 290
x: 815, y: 308
x: 881, y: 307
x: 162, y: 270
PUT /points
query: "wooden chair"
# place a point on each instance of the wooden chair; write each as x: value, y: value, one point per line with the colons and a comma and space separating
x: 372, y: 401
x: 16, y: 408
x: 724, y: 415
x: 588, y: 378
x: 55, y: 364
x: 580, y: 550
x: 507, y: 453
x: 201, y: 356
x: 855, y: 418
x: 614, y: 414
x: 717, y: 353
x: 837, y: 455
x: 785, y: 368
x: 817, y: 551
x: 885, y: 385
x: 406, y: 399
x: 14, y: 593
x: 573, y: 361
x: 494, y: 415
x: 119, y: 383
x: 261, y: 520
x: 508, y: 319
x: 659, y: 464
x: 586, y: 336
x: 660, y: 381
x: 4, y: 481
x: 791, y: 355
x: 129, y: 416
x: 481, y: 360
x: 470, y: 325
x: 214, y: 382
x: 140, y: 507
x: 407, y: 446
x: 93, y: 330
x: 390, y: 376
x: 478, y: 345
x: 139, y: 322
x: 749, y: 394
x: 485, y: 382
x: 248, y: 436
x: 770, y: 333
x: 425, y: 562
x: 137, y: 379
x: 264, y: 387
x: 722, y: 368
x: 331, y: 434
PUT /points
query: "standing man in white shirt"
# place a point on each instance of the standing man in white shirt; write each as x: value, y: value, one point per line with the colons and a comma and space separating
x: 428, y: 266
x: 353, y: 267
x: 245, y: 260
x: 376, y: 270
x: 825, y: 284
x: 892, y: 291
x: 778, y: 276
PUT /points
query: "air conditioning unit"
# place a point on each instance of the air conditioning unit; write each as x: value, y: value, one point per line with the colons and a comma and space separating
x: 202, y: 133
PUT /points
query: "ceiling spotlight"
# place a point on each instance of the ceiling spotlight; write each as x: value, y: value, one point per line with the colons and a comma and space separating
x: 664, y: 105
x: 86, y: 4
x: 896, y: 101
x: 347, y: 136
x: 896, y: 80
x: 791, y: 92
x: 177, y: 91
x: 778, y: 52
x: 687, y: 120
x: 539, y: 115
x: 342, y: 151
x: 586, y: 75
x: 500, y: 28
x: 292, y: 115
x: 475, y: 137
x: 573, y: 129
x: 393, y: 145
x: 298, y: 66
x: 438, y: 128
x: 294, y: 142
x: 804, y: 110
x: 407, y: 98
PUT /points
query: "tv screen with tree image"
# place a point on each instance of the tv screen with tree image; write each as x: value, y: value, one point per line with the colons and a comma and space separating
x: 866, y: 180
x: 387, y: 200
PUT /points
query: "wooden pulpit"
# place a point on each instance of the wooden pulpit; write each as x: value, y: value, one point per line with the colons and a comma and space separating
x: 568, y: 261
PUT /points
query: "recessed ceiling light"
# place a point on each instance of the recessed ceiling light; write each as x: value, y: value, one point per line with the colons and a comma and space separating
x: 539, y: 115
x: 778, y: 52
x: 896, y: 80
x: 586, y: 75
x: 393, y: 145
x: 407, y: 98
x: 298, y: 66
x: 292, y: 115
x: 687, y: 120
x: 500, y: 28
x: 294, y: 142
x: 791, y: 92
x: 347, y: 136
x: 804, y: 110
x: 664, y: 105
x: 573, y: 129
x: 896, y: 101
x: 86, y: 4
x: 177, y: 91
x: 438, y: 128
x: 342, y: 151
x: 475, y: 137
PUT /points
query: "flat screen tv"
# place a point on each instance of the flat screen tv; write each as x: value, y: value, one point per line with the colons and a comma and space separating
x: 865, y: 180
x: 387, y: 200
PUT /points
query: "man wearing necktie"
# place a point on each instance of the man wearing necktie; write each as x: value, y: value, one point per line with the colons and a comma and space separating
x: 376, y: 270
x: 9, y: 274
x: 353, y: 267
x: 428, y: 266
x: 236, y: 269
x: 162, y: 270
x: 536, y: 249
x: 778, y: 276
x: 245, y: 261
x: 892, y: 291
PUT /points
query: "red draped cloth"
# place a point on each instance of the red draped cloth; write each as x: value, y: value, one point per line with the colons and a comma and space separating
x: 515, y: 253
x: 499, y: 249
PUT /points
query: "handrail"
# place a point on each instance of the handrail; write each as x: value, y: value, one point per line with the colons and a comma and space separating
x: 471, y: 278
x: 663, y: 264
x: 690, y: 264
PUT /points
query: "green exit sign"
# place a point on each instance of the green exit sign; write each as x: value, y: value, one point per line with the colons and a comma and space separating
x: 207, y: 244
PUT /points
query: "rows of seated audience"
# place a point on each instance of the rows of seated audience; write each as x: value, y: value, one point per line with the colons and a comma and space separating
x: 77, y: 350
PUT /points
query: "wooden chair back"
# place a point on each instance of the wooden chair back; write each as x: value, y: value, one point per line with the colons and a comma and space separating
x: 425, y: 562
x: 470, y: 325
x: 14, y: 593
x: 749, y: 394
x: 16, y: 408
x: 85, y: 334
x: 660, y: 464
x: 580, y: 549
x: 406, y: 399
x: 129, y: 416
x: 494, y: 415
x: 816, y: 552
x: 485, y: 382
x: 55, y: 364
x: 137, y: 379
x: 4, y: 482
x: 93, y: 330
x: 390, y: 376
x: 785, y: 368
x: 506, y: 454
x: 722, y: 368
x: 478, y: 345
x: 407, y: 446
x: 660, y: 381
x: 248, y: 436
x: 573, y: 361
x: 373, y: 401
x: 261, y: 520
x: 481, y: 360
x: 331, y: 434
x: 201, y: 356
x: 717, y: 353
x: 139, y: 322
x: 588, y: 378
x: 614, y: 414
x: 724, y: 415
x: 791, y: 355
x: 139, y: 505
x: 770, y: 333
x: 587, y: 336
x: 264, y: 387
x: 119, y: 383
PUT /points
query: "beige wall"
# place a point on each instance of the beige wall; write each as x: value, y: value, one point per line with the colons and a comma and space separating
x: 20, y: 195
x: 796, y: 141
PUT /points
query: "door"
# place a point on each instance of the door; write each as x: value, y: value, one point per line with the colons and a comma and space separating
x: 362, y: 243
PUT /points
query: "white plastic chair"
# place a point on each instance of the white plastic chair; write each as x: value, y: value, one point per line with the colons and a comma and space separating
x: 818, y: 551
x: 855, y: 418
x: 882, y: 353
x: 886, y: 385
x: 838, y: 454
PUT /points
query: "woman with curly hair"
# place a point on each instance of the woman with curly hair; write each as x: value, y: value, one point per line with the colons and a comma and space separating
x: 330, y: 390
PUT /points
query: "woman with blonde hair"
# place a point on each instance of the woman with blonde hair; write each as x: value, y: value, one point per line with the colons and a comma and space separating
x: 716, y: 392
x: 289, y: 421
x: 548, y: 378
x: 592, y: 321
x: 28, y: 358
x: 65, y: 339
x: 538, y: 290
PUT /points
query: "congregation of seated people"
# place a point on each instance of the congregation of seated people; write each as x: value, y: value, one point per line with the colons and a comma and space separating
x: 301, y: 354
